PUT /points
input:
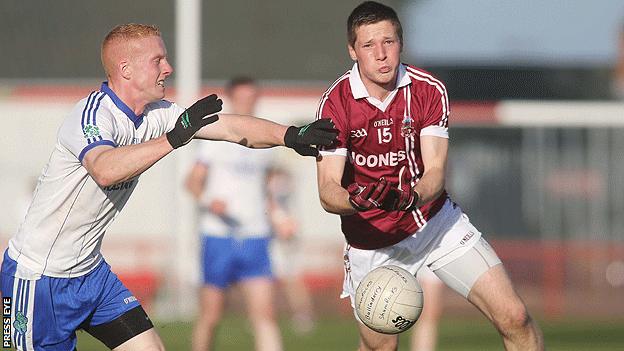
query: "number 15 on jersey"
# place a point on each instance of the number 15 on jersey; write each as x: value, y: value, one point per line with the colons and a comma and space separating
x: 384, y: 135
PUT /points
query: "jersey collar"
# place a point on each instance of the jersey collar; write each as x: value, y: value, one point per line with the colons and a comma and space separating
x: 137, y: 120
x: 359, y: 90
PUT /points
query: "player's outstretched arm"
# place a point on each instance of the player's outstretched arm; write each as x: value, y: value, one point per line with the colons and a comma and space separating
x: 306, y: 139
x: 260, y: 133
x: 109, y: 165
x: 194, y: 118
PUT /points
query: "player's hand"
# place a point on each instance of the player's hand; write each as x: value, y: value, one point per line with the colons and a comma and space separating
x: 364, y: 198
x: 218, y: 207
x: 201, y: 113
x: 306, y: 139
x: 285, y: 228
x: 403, y: 197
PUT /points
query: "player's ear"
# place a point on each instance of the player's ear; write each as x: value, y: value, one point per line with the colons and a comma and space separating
x: 352, y: 52
x: 124, y: 69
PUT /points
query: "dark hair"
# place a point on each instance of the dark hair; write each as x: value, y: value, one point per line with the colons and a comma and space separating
x: 238, y: 81
x: 370, y: 12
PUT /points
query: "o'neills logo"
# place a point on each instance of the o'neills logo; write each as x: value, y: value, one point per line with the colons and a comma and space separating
x: 466, y: 238
x: 387, y: 159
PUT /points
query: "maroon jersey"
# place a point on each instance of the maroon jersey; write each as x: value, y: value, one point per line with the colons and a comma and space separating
x: 382, y: 139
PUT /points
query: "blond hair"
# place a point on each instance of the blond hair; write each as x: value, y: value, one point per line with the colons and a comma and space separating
x: 125, y: 32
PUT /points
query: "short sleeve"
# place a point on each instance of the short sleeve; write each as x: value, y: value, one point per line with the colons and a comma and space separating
x: 89, y: 125
x: 435, y: 122
x: 163, y: 115
x: 328, y: 108
x: 174, y: 111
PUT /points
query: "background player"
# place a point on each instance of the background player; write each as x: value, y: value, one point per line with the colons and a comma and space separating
x: 228, y: 182
x: 53, y: 268
x: 287, y: 252
x: 385, y: 178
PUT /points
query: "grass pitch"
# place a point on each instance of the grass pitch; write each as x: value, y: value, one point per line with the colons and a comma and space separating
x: 463, y: 334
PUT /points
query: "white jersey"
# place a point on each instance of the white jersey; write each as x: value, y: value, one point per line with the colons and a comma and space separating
x: 69, y: 214
x: 237, y: 176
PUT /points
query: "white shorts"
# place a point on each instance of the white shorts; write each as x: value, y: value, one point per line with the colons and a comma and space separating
x: 448, y: 236
x: 286, y: 257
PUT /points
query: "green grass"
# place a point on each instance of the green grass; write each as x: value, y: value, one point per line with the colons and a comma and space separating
x: 341, y: 334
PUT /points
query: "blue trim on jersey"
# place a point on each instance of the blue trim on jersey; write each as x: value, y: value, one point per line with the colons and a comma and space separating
x: 89, y: 111
x: 92, y: 145
x: 89, y: 114
x: 97, y: 106
x: 137, y: 120
x: 82, y: 121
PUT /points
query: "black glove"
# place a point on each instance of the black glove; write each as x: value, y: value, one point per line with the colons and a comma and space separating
x: 368, y: 197
x: 306, y: 139
x: 193, y: 119
x: 403, y: 197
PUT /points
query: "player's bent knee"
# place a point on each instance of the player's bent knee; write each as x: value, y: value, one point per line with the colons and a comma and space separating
x: 515, y: 317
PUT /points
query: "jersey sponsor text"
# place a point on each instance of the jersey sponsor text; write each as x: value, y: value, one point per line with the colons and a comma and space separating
x: 388, y: 159
x: 119, y: 186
